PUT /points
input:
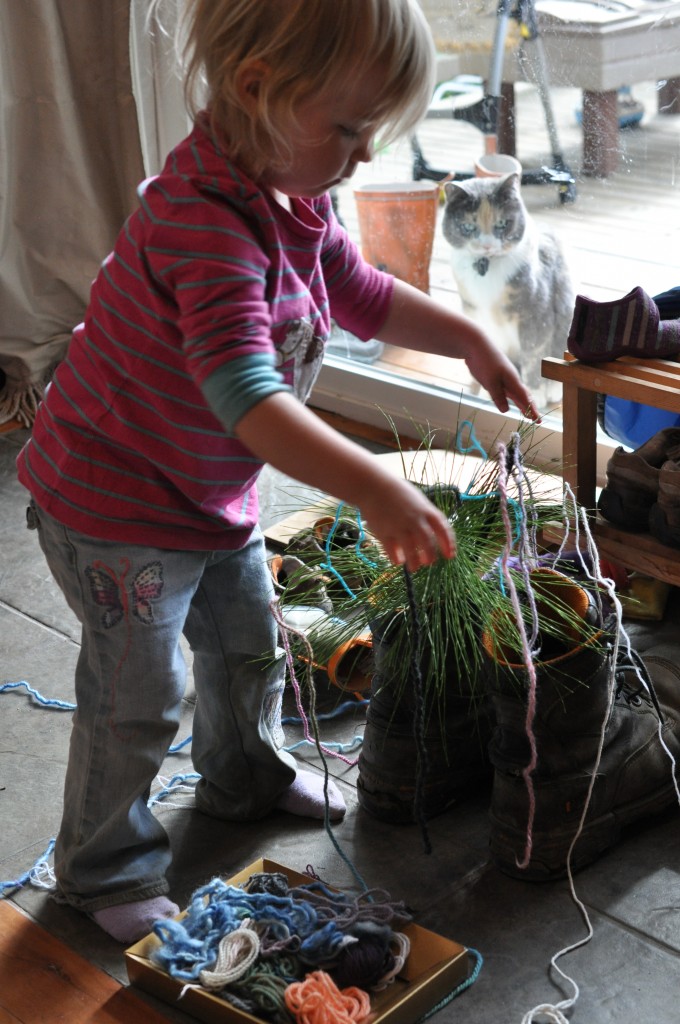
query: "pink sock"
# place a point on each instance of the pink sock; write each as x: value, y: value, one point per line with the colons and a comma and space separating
x: 128, y: 922
x: 305, y: 797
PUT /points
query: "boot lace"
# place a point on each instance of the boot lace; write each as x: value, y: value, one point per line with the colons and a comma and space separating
x: 633, y: 681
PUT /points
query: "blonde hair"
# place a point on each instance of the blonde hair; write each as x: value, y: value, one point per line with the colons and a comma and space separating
x: 308, y: 47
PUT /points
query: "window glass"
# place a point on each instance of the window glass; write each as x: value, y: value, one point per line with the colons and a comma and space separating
x: 589, y: 107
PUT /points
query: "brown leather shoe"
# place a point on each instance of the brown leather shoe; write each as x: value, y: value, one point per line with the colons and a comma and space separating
x: 633, y: 481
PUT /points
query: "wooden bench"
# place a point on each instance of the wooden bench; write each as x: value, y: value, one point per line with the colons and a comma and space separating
x: 596, y: 47
x: 610, y: 48
x: 654, y: 382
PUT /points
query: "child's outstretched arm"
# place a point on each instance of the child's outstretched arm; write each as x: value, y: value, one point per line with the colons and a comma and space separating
x: 417, y: 322
x: 283, y: 432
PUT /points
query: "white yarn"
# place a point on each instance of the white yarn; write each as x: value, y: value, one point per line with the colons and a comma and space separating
x: 42, y: 876
x: 553, y: 1013
x: 237, y: 951
x: 546, y: 1012
x: 189, y: 987
x: 619, y: 614
x: 159, y: 802
x: 403, y: 945
x: 168, y: 805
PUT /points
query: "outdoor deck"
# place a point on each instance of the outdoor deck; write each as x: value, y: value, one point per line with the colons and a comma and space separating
x: 620, y: 232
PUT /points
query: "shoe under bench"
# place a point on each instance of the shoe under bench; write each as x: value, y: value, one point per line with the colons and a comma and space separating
x: 654, y: 382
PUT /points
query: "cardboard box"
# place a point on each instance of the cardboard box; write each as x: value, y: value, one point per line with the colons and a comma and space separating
x: 435, y: 967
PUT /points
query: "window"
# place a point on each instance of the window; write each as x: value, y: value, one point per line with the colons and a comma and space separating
x: 612, y: 114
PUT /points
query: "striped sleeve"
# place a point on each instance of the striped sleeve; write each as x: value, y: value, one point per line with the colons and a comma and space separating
x: 239, y: 385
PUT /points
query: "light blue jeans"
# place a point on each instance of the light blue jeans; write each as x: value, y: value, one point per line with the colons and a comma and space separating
x: 134, y: 603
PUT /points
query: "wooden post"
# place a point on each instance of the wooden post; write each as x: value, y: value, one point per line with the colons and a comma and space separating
x: 506, y: 130
x: 579, y: 426
x: 600, y: 133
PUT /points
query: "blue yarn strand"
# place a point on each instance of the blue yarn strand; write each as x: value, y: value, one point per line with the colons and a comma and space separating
x: 175, y: 781
x: 470, y: 980
x: 474, y: 445
x: 19, y: 883
x: 327, y: 564
x: 63, y: 705
x: 339, y: 748
x: 179, y: 746
x: 22, y: 880
x: 327, y: 715
x: 59, y: 705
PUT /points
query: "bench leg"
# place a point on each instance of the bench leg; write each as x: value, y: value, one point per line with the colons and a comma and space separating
x: 507, y: 134
x: 579, y: 451
x: 600, y: 133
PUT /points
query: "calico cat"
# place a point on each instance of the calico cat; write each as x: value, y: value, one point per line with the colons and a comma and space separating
x: 511, y: 275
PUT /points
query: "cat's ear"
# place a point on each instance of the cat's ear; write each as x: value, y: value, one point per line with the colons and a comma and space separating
x: 454, y: 190
x: 508, y: 188
x: 510, y: 181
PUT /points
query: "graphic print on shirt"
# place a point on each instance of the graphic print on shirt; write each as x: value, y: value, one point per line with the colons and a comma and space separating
x: 301, y: 352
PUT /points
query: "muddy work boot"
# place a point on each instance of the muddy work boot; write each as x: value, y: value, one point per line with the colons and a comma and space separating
x: 405, y: 776
x: 634, y: 776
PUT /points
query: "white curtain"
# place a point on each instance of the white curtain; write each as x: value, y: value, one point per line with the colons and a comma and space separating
x: 80, y: 125
x: 157, y: 82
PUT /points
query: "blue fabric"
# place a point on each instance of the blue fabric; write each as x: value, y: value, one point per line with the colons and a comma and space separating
x: 632, y: 423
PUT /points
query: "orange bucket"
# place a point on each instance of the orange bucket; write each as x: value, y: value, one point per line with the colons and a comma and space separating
x: 396, y: 227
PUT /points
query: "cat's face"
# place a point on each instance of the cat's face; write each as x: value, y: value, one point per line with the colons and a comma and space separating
x: 485, y: 216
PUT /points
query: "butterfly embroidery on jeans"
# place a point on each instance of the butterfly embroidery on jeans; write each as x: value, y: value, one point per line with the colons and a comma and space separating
x: 109, y: 591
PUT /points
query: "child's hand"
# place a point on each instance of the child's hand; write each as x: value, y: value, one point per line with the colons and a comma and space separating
x: 415, y: 321
x: 498, y: 376
x: 411, y: 530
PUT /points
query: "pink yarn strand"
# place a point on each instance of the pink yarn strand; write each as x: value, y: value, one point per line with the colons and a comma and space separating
x: 526, y: 655
x: 285, y: 631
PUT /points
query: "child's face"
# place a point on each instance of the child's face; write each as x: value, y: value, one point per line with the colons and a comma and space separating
x: 333, y: 134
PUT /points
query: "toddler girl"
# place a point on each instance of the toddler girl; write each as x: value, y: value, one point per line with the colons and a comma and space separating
x: 202, y: 339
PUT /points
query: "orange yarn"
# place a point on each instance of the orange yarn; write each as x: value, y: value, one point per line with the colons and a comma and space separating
x: 318, y: 1000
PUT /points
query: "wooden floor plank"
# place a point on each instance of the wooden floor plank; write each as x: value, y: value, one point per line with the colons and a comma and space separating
x: 42, y: 980
x: 10, y: 425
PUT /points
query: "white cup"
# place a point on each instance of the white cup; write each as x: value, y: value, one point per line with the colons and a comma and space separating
x: 495, y: 165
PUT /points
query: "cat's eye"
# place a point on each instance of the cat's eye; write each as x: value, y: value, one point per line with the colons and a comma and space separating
x: 468, y: 229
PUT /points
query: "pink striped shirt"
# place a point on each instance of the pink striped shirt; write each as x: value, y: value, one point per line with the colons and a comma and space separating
x: 208, y: 270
